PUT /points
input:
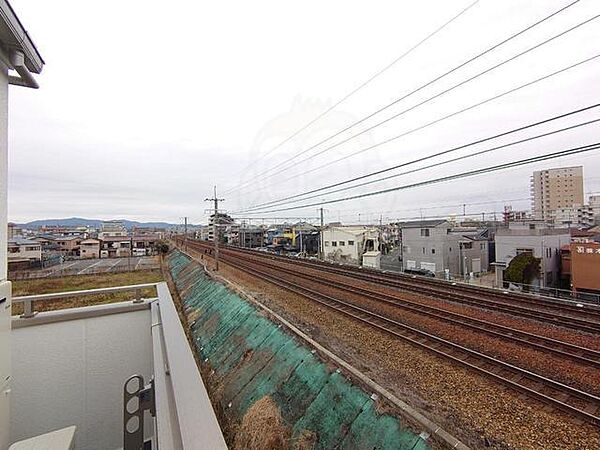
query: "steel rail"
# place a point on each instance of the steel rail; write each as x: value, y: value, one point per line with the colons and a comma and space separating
x: 449, y: 293
x: 564, y: 349
x: 539, y: 386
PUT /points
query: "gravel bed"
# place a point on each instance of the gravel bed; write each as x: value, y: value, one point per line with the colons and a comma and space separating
x: 582, y: 339
x: 561, y: 369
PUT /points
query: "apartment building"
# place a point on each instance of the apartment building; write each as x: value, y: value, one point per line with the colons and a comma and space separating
x: 113, y: 228
x: 556, y: 189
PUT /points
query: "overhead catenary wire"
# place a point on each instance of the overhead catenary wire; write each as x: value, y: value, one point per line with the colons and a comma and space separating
x: 544, y: 157
x: 448, y: 116
x: 303, y: 196
x: 414, y: 91
x: 362, y: 85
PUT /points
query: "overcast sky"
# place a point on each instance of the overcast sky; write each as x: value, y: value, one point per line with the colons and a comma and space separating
x: 145, y: 105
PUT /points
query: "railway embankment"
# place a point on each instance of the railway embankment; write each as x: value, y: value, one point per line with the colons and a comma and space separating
x: 269, y: 389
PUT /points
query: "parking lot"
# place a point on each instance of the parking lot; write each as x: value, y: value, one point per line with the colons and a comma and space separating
x: 104, y: 265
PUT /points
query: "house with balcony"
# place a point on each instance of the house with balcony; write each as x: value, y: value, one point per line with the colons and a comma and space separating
x: 68, y: 245
x: 115, y: 246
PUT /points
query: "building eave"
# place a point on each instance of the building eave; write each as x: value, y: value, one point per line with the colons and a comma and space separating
x: 15, y: 37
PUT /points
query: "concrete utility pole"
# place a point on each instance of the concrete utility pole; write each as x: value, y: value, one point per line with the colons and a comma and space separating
x: 185, y: 233
x: 216, y: 201
x: 321, y: 250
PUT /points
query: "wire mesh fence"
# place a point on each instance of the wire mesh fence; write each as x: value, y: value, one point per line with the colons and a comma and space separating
x: 61, y: 272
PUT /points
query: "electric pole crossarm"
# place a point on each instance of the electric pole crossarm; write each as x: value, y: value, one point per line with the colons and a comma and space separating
x: 216, y: 201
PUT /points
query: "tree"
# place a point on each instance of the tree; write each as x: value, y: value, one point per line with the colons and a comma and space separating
x: 523, y: 269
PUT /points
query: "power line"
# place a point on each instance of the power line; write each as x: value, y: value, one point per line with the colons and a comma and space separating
x: 545, y: 157
x: 413, y: 92
x: 476, y: 105
x: 378, y: 180
x: 362, y: 85
x: 435, y: 155
x: 454, y: 205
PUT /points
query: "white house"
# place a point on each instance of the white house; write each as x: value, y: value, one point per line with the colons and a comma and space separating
x: 534, y: 237
x: 348, y: 244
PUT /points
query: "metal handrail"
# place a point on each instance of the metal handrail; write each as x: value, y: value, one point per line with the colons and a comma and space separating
x: 28, y: 300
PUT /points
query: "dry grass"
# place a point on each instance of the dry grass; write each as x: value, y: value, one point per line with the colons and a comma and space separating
x: 83, y: 282
x: 262, y: 428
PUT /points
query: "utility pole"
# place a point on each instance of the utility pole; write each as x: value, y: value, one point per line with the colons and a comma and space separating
x: 216, y: 201
x: 321, y: 250
x: 185, y: 233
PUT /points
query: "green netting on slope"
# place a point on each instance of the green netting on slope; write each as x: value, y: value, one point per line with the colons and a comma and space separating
x: 252, y: 357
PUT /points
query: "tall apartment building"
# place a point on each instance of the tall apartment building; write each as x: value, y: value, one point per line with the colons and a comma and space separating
x: 556, y: 189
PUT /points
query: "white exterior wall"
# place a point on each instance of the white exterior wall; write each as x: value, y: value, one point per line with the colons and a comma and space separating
x: 444, y: 245
x: 346, y: 252
x: 68, y: 373
x: 507, y: 245
x: 28, y: 254
x: 5, y: 309
x: 3, y: 168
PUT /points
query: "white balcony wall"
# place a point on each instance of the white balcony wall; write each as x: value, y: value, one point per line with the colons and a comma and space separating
x: 72, y: 373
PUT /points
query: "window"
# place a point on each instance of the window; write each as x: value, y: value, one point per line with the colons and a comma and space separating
x: 31, y: 249
x: 423, y: 250
x: 342, y: 243
x: 433, y: 251
x: 326, y: 243
x: 13, y: 249
x: 333, y: 243
x: 425, y: 232
x: 482, y: 246
x: 467, y: 245
x: 524, y: 250
x: 350, y: 242
x: 532, y: 226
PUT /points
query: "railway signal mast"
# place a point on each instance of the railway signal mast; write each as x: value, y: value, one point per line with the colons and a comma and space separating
x: 216, y: 201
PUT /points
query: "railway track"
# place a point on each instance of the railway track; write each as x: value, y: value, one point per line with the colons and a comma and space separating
x: 585, y: 319
x: 575, y: 403
x: 559, y: 348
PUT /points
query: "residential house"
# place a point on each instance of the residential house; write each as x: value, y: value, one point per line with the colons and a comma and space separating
x: 144, y: 244
x: 444, y: 249
x: 68, y: 245
x: 251, y: 236
x: 47, y: 241
x: 115, y: 246
x: 89, y: 248
x: 537, y: 238
x: 348, y: 244
x: 23, y: 254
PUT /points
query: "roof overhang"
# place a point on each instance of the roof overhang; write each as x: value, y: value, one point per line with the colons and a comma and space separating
x: 20, y: 52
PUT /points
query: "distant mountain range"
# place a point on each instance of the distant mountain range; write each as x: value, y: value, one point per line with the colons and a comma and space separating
x: 78, y: 221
